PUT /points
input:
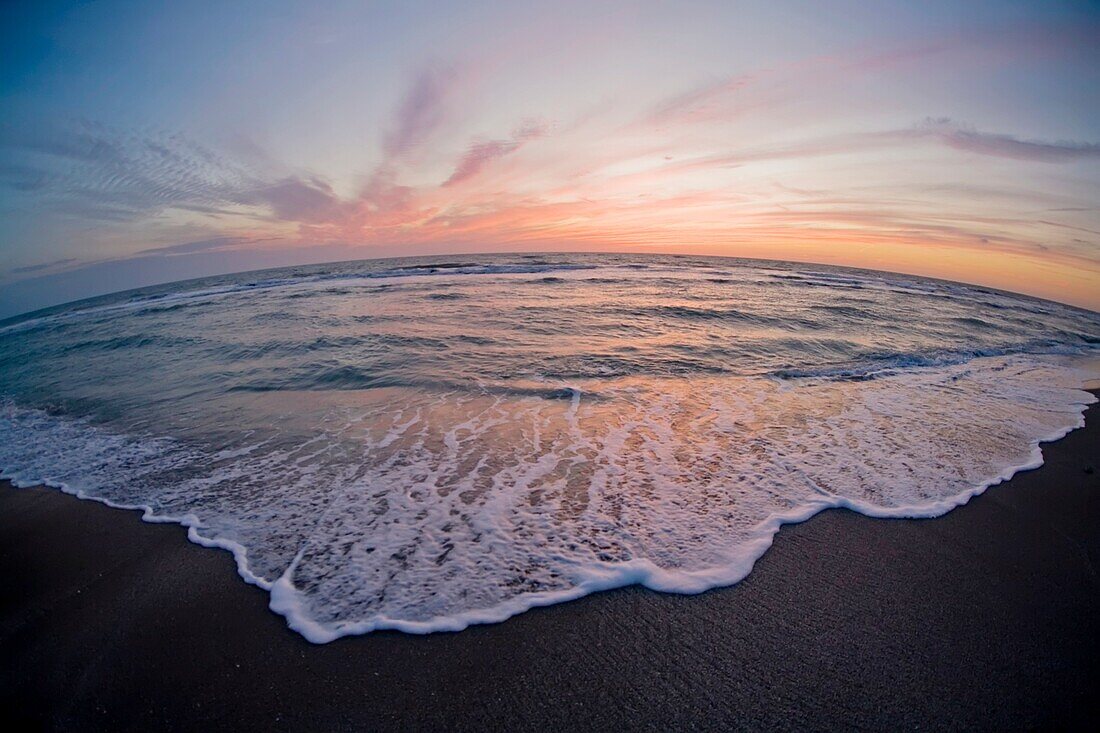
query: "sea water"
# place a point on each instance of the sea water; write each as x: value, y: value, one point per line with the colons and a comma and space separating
x: 422, y: 444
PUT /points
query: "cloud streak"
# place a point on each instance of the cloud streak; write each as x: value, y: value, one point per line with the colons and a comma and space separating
x: 45, y: 266
x: 93, y: 171
x: 187, y: 248
x: 1006, y: 146
x: 422, y: 111
x: 481, y: 154
x: 941, y: 130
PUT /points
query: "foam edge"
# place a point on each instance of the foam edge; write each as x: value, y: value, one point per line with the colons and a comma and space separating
x: 287, y: 601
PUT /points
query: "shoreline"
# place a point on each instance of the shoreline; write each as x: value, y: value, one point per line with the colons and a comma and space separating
x: 95, y: 630
x: 284, y: 598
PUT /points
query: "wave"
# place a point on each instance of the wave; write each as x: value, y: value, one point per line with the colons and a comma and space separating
x: 167, y: 302
x: 296, y: 544
x: 787, y: 322
x: 886, y: 364
x: 425, y: 444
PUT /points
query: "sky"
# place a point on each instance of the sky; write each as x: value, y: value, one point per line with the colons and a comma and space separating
x: 145, y: 142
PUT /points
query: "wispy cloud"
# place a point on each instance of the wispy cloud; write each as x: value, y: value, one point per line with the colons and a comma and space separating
x: 939, y: 130
x: 481, y: 154
x: 187, y: 248
x: 697, y: 105
x: 93, y: 171
x: 422, y: 111
x: 1005, y: 146
x: 741, y: 94
x: 45, y: 266
x: 478, y: 156
x: 297, y: 199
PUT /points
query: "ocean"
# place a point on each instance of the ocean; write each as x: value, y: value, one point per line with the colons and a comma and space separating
x: 426, y: 443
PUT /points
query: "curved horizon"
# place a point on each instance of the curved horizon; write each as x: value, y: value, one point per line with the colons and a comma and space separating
x: 61, y: 306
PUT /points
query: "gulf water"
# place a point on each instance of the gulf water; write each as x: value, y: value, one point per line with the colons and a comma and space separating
x: 427, y: 443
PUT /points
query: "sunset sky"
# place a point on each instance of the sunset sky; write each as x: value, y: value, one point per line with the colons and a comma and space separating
x: 144, y: 142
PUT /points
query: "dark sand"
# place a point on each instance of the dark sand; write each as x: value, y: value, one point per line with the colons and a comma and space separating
x: 986, y: 618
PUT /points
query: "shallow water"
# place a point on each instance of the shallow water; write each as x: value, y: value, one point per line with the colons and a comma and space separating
x: 427, y: 443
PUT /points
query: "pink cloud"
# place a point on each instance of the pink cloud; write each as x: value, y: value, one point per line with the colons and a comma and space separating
x: 481, y: 154
x: 702, y: 103
x: 422, y: 111
x: 294, y: 199
x: 478, y: 156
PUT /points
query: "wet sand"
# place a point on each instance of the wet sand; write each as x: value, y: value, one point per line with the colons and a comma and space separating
x: 986, y: 618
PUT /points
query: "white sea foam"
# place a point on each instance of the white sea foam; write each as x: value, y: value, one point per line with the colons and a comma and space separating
x: 432, y: 510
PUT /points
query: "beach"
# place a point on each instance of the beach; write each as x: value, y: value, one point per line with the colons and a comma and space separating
x: 548, y: 366
x: 984, y: 618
